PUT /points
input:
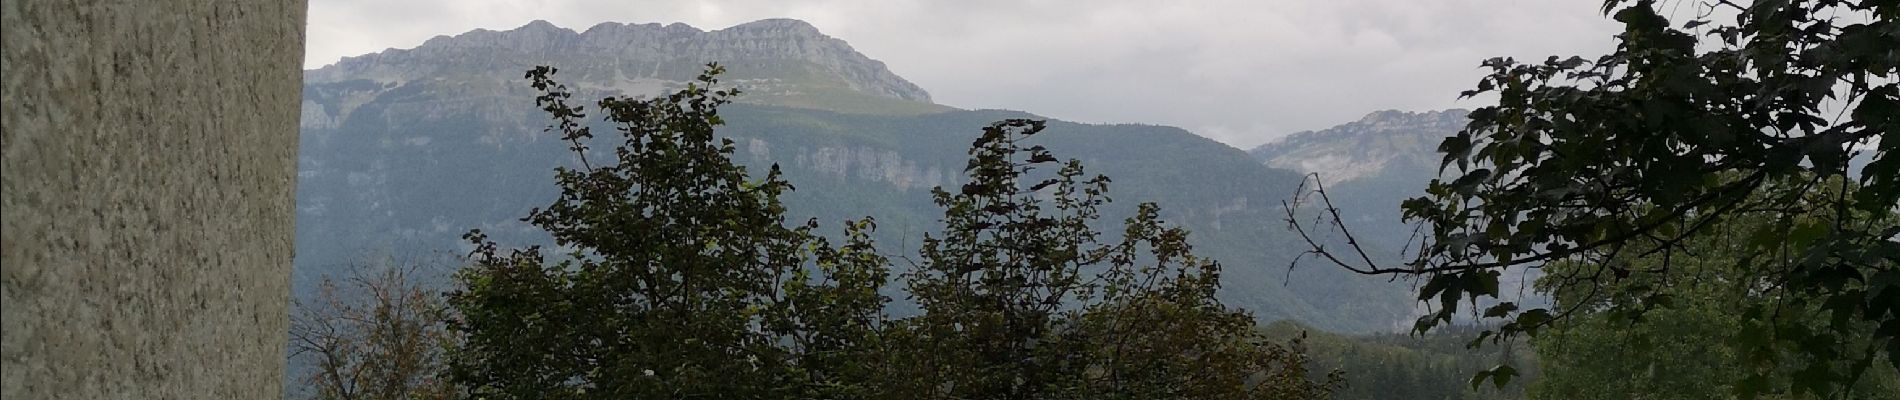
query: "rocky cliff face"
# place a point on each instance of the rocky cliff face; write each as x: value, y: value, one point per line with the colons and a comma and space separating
x: 1381, y: 141
x: 777, y: 61
x: 400, y: 119
x: 863, y: 163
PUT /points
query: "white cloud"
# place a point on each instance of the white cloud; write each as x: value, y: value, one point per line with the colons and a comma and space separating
x: 1242, y: 72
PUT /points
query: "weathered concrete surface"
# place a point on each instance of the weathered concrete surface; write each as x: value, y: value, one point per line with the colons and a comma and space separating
x: 150, y: 151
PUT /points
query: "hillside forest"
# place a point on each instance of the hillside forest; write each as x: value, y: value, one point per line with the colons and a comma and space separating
x: 1709, y: 211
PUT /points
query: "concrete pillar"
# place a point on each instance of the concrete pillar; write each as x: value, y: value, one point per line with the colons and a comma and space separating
x: 149, y: 163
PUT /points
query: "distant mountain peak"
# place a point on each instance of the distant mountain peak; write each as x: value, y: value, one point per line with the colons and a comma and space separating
x: 1376, y: 142
x: 776, y: 61
x: 611, y: 28
x: 1455, y: 115
x: 778, y: 24
x: 541, y: 25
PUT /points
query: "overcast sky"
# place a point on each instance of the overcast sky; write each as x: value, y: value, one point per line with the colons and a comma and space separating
x: 1242, y: 72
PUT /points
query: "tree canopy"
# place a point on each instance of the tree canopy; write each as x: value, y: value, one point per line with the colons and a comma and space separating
x: 684, y: 280
x: 1687, y: 334
x: 1023, y: 298
x: 681, y: 279
x: 1737, y: 111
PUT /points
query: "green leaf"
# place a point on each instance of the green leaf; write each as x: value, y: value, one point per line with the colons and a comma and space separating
x: 1456, y: 148
x: 1500, y: 310
x: 1806, y: 233
x: 1500, y: 375
x: 1528, y: 320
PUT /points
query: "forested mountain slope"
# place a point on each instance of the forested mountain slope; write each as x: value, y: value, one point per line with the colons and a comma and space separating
x: 404, y: 151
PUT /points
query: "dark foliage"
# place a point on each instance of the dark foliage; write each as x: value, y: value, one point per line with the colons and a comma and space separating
x: 684, y: 281
x: 1686, y: 125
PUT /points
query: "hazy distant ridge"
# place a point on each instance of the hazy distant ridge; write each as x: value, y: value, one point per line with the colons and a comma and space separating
x: 1378, y: 142
x: 639, y: 53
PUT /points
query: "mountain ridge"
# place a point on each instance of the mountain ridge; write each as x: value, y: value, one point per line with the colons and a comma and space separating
x: 1376, y: 142
x: 778, y: 61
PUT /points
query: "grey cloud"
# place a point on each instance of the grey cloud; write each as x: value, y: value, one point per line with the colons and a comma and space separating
x: 1242, y: 72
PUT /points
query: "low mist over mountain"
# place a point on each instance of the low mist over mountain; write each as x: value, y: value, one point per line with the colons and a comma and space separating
x: 404, y: 151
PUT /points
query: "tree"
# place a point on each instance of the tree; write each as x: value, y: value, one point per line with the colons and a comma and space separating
x: 1679, y: 335
x: 376, y: 334
x: 1684, y: 126
x: 1021, y: 299
x: 684, y: 280
x: 1434, y: 366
